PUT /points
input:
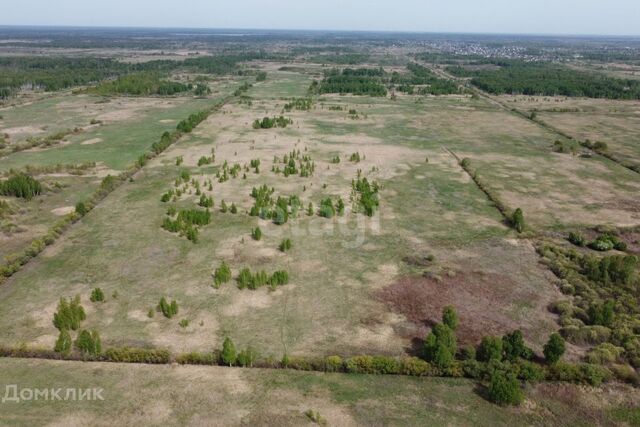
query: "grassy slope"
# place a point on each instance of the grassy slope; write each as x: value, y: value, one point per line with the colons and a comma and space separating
x: 153, y: 395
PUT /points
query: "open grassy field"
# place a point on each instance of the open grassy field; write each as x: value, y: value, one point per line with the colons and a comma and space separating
x: 395, y: 207
x: 351, y: 275
x: 194, y: 396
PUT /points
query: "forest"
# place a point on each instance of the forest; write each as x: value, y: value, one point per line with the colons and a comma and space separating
x: 360, y: 81
x: 55, y: 73
x: 548, y: 79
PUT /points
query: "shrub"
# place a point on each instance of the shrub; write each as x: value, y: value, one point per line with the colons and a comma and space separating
x: 97, y: 295
x: 529, y: 371
x: 137, y: 355
x: 285, y: 245
x: 221, y: 275
x: 414, y: 367
x: 81, y: 209
x: 256, y: 234
x: 578, y: 373
x: 490, y: 349
x: 333, y: 364
x: 89, y: 343
x: 228, y: 355
x: 468, y: 352
x: 604, y: 354
x: 63, y: 343
x: 576, y: 238
x: 20, y: 185
x: 168, y: 310
x: 517, y: 220
x: 247, y: 357
x: 504, y: 389
x: 554, y: 348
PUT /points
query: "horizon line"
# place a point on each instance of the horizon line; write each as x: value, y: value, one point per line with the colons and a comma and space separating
x: 325, y: 30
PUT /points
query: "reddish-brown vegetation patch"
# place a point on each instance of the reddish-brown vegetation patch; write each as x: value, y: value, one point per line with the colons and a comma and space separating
x: 485, y: 302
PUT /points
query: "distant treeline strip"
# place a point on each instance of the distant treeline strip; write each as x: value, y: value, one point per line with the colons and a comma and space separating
x: 55, y: 73
x: 15, y: 262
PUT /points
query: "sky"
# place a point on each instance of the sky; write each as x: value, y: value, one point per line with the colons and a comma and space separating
x: 593, y: 17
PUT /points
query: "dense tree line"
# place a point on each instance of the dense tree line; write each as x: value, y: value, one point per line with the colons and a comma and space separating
x: 140, y: 84
x: 360, y: 81
x: 55, y: 73
x: 548, y: 79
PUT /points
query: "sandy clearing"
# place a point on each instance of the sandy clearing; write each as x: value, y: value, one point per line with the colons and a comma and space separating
x: 91, y: 141
x: 64, y: 210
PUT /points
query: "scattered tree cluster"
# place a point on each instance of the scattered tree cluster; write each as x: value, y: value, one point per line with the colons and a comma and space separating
x: 300, y: 104
x: 604, y: 298
x: 247, y: 280
x: 187, y: 223
x: 272, y: 122
x: 365, y: 195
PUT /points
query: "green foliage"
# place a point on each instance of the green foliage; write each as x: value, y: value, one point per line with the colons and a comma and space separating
x: 20, y: 185
x: 97, y: 295
x: 514, y: 346
x: 450, y: 317
x: 186, y: 223
x: 187, y: 125
x: 440, y: 346
x: 205, y: 202
x: 285, y: 245
x: 89, y: 343
x: 137, y: 355
x: 167, y: 309
x: 517, y: 220
x: 554, y: 348
x: 81, y: 209
x: 184, y: 323
x: 504, y: 389
x: 228, y: 355
x: 490, y: 349
x: 315, y: 417
x: 247, y: 357
x: 300, y: 104
x: 548, y: 79
x: 365, y: 195
x: 63, y: 343
x: 327, y: 210
x: 221, y: 275
x: 69, y: 315
x: 140, y: 84
x: 254, y: 281
x: 602, y: 313
x: 256, y: 234
x: 268, y: 123
x: 576, y: 238
x: 361, y: 81
x: 607, y: 242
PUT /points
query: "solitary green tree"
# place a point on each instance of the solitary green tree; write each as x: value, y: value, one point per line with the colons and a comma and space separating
x: 229, y: 355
